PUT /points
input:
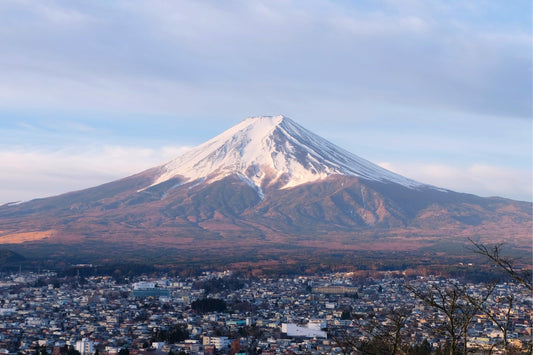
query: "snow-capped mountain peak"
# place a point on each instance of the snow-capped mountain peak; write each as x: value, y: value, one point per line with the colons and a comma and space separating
x: 272, y: 150
x: 176, y: 211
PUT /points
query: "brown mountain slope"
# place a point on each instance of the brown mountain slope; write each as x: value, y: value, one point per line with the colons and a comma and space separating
x: 265, y: 184
x: 340, y: 212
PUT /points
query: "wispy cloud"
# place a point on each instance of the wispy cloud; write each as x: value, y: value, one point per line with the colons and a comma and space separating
x: 480, y: 179
x: 166, y: 56
x: 29, y: 174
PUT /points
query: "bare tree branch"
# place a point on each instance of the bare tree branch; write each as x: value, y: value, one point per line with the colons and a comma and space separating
x: 507, y: 264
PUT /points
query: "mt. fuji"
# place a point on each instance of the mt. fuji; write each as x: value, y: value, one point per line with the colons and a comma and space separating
x: 265, y: 184
x: 273, y: 150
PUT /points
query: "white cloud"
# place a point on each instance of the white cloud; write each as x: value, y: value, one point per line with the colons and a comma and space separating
x: 33, y: 174
x: 479, y: 179
x: 170, y: 56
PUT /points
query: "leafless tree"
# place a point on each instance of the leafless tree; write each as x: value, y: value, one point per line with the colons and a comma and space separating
x: 471, y: 305
x: 386, y: 337
x: 446, y: 300
x: 502, y: 321
x: 451, y: 299
x: 393, y: 332
x: 507, y: 264
x: 375, y: 337
x: 346, y: 342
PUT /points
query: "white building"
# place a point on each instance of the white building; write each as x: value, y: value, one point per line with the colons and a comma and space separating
x: 293, y: 330
x: 85, y: 347
x: 7, y: 311
x: 317, y: 324
x: 219, y: 342
x: 158, y: 345
x: 143, y: 285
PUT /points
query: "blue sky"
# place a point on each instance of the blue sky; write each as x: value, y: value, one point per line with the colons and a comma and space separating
x: 439, y: 91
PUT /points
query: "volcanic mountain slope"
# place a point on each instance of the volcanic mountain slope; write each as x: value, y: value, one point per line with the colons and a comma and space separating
x: 264, y: 183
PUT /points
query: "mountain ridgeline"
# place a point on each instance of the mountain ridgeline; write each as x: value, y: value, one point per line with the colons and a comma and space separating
x: 265, y: 184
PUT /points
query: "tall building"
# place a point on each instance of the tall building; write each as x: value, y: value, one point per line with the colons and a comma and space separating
x: 85, y: 346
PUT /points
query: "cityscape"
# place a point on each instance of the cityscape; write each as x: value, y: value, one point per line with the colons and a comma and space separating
x: 218, y: 312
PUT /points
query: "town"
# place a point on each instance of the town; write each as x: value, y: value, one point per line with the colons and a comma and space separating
x: 219, y: 312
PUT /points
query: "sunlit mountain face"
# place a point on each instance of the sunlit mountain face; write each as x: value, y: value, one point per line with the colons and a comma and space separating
x: 265, y: 184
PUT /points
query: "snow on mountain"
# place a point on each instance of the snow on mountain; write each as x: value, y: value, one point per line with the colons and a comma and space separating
x: 273, y: 150
x: 173, y: 212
